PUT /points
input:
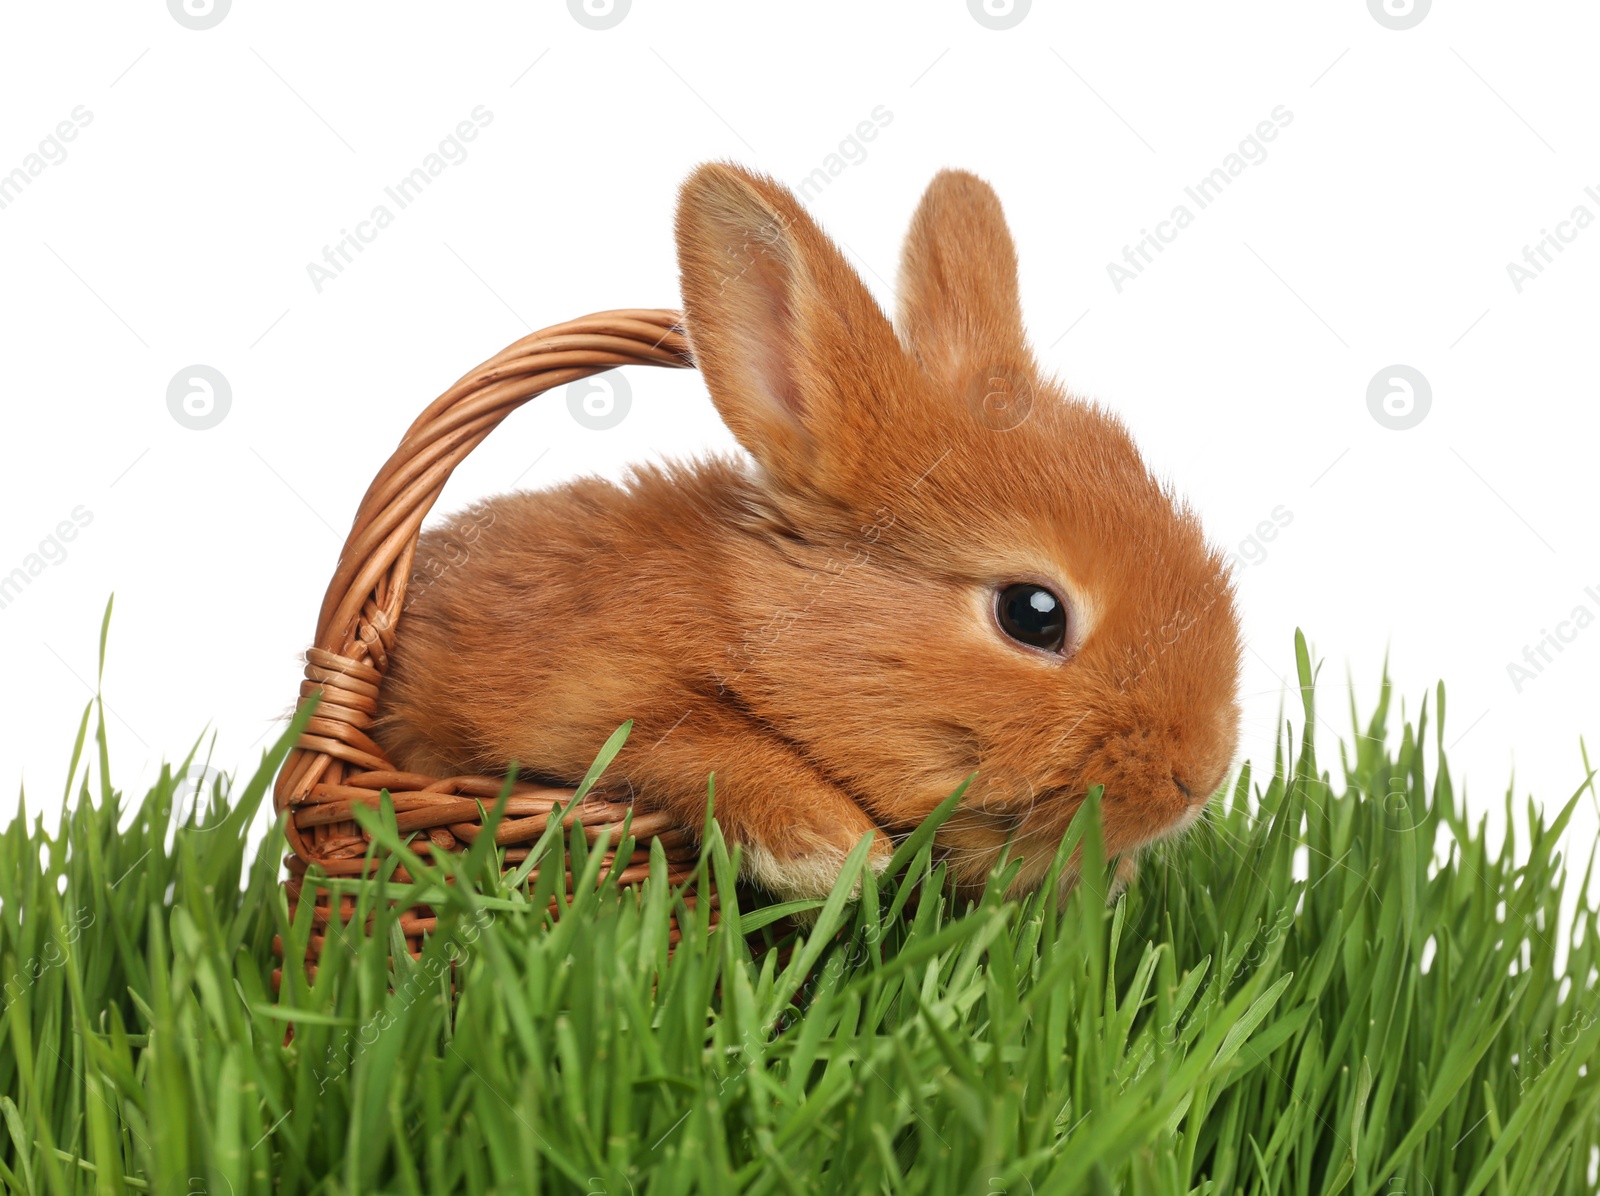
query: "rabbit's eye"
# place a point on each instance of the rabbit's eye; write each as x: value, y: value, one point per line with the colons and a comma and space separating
x: 1032, y: 615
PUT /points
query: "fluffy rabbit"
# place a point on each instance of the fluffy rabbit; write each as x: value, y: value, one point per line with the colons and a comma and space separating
x: 938, y: 563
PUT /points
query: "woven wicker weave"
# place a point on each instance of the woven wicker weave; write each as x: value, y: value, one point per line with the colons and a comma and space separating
x: 336, y: 764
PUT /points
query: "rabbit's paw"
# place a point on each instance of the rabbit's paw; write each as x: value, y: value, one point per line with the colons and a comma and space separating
x: 810, y: 867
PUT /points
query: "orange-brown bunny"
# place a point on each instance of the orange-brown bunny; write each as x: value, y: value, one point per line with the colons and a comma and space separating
x: 938, y: 562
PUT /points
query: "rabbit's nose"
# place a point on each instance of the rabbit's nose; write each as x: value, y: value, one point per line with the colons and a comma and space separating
x: 1182, y: 788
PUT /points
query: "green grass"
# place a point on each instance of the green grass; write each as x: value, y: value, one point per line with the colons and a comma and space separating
x: 1396, y: 1020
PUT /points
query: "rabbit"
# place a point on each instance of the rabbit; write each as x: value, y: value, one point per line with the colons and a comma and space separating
x: 937, y: 563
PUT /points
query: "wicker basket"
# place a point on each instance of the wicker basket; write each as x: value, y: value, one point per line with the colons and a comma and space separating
x: 336, y: 764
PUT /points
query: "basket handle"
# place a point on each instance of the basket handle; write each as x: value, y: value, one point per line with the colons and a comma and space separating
x: 356, y: 626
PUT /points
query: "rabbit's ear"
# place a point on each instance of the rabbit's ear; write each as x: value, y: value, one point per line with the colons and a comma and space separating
x: 958, y: 308
x: 800, y: 361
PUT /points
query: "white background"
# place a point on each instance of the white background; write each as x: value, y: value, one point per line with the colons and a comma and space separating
x: 217, y: 165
